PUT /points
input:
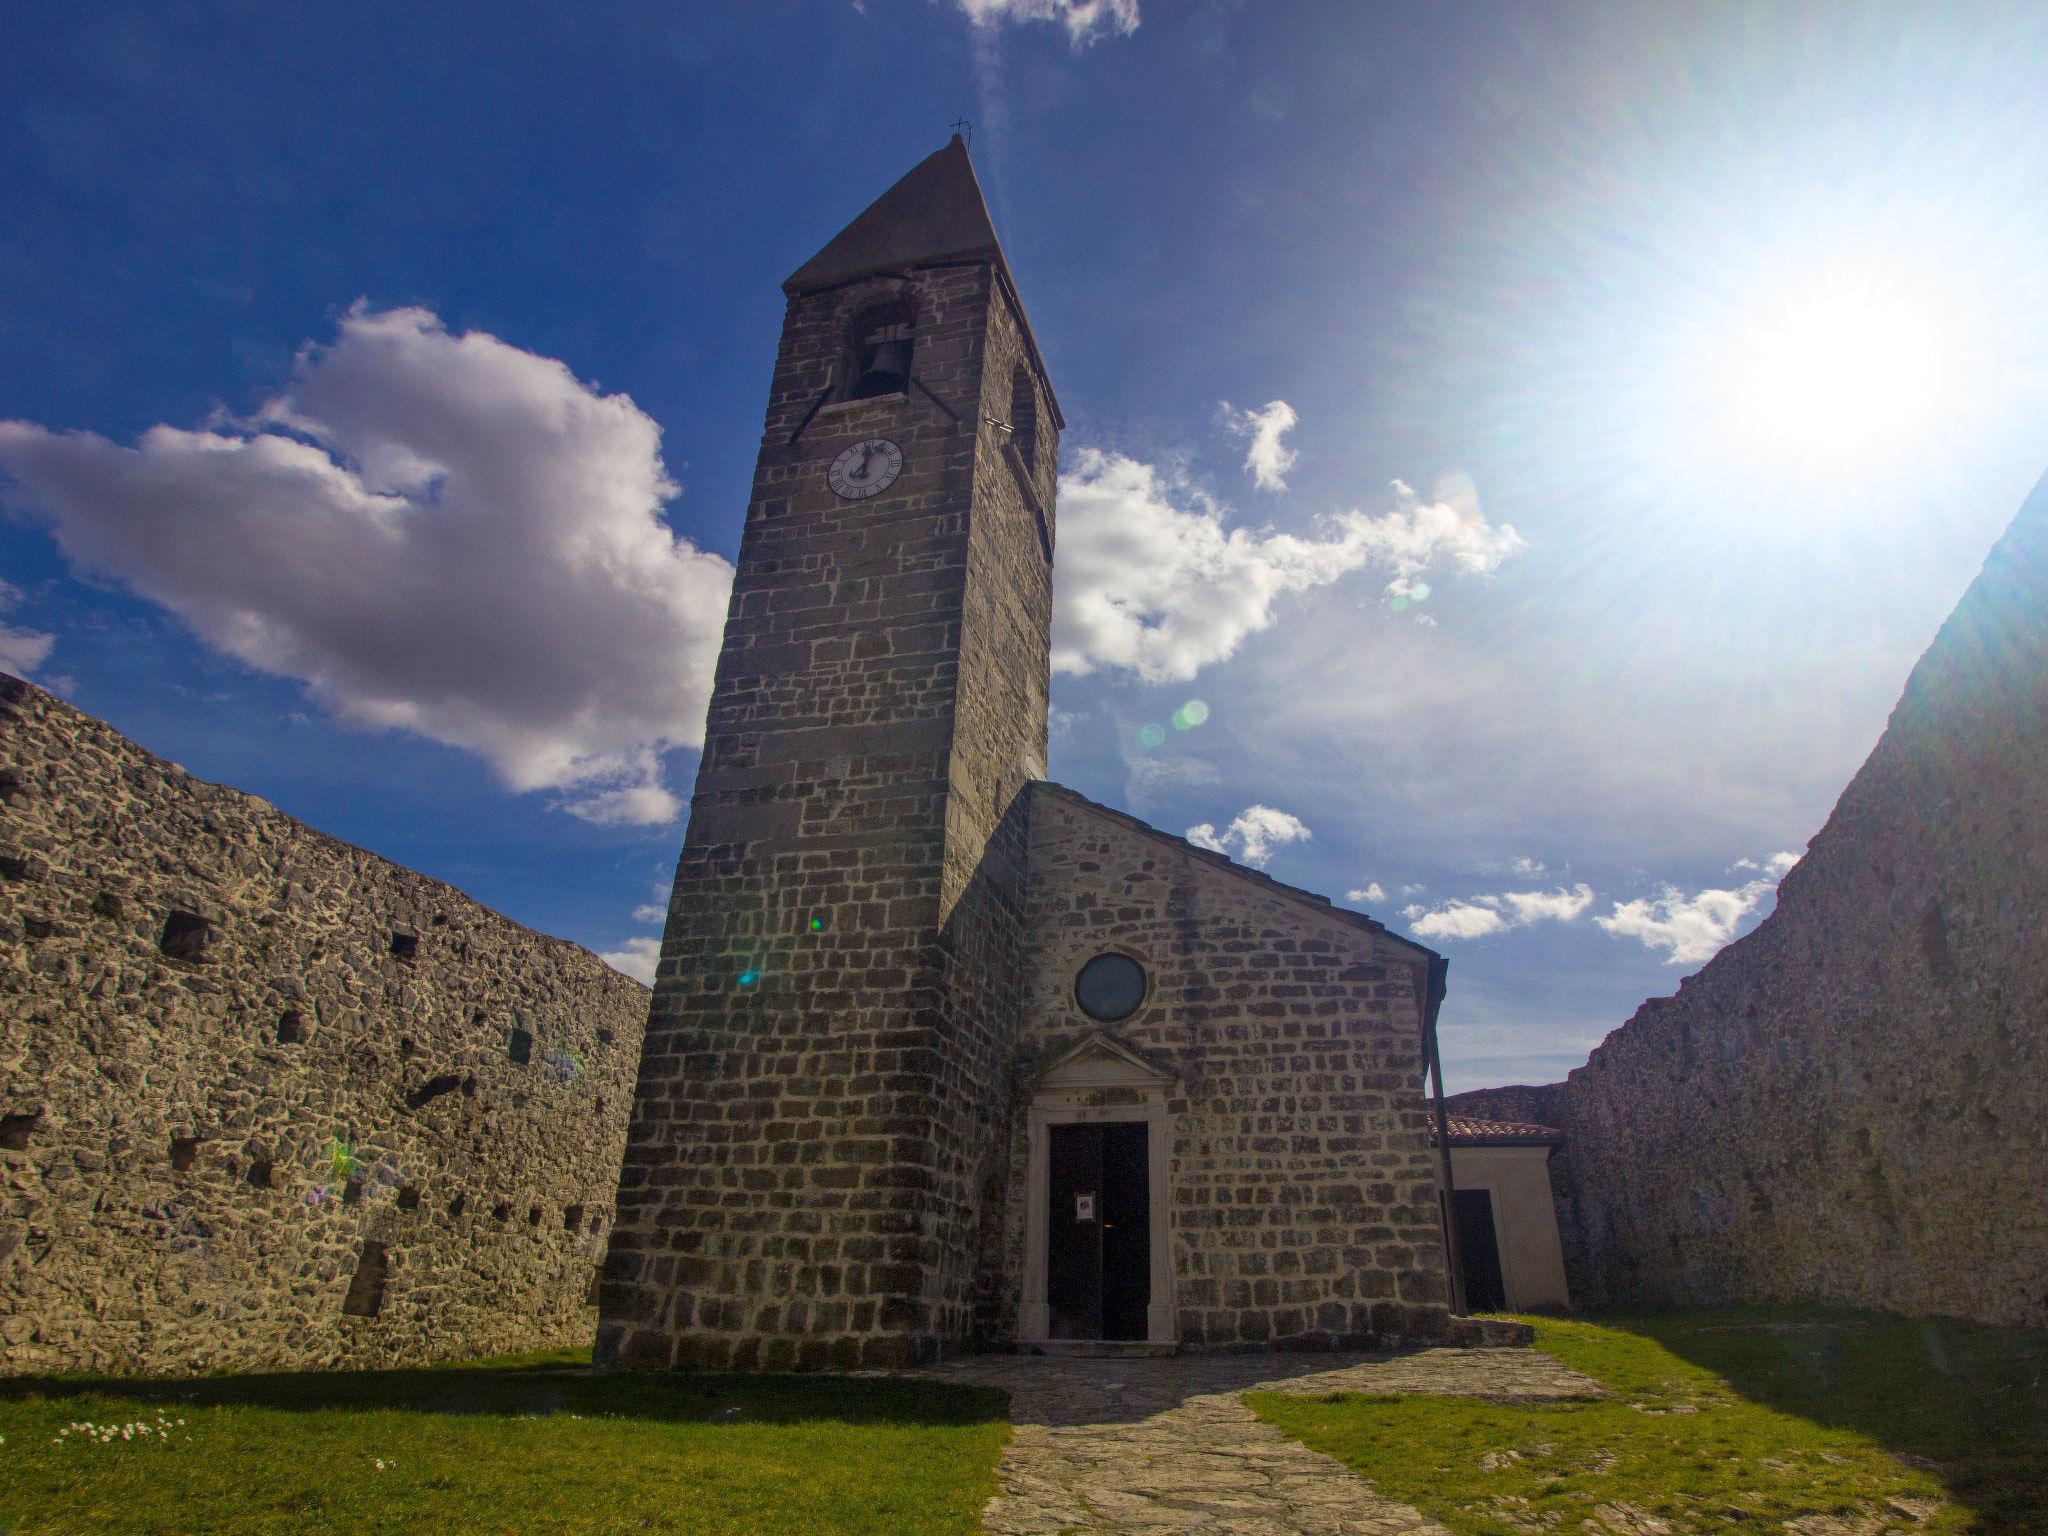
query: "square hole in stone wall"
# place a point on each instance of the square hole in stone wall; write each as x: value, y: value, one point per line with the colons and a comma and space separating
x: 405, y: 945
x: 432, y: 1089
x: 352, y: 1192
x: 533, y: 1217
x: 15, y: 1129
x: 291, y: 1027
x: 572, y: 1217
x: 408, y: 1198
x: 519, y: 1046
x: 502, y: 1210
x: 366, y: 1291
x: 184, y: 1152
x: 186, y: 936
x: 261, y: 1170
x: 455, y: 1206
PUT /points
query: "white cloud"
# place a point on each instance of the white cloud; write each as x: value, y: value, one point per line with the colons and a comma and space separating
x: 1694, y: 928
x: 1266, y: 458
x: 636, y: 958
x: 1560, y: 905
x: 1528, y: 866
x: 1153, y: 781
x: 1253, y: 837
x: 1086, y: 21
x: 1456, y: 920
x: 1774, y: 865
x: 1371, y: 891
x: 1477, y: 916
x: 21, y: 650
x: 652, y: 912
x: 436, y: 532
x: 1164, y: 590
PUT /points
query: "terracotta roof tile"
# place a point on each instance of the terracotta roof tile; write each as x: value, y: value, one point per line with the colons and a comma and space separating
x: 1470, y: 1131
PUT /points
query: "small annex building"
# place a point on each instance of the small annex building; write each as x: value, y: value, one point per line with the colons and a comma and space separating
x: 1509, y: 1255
x: 941, y: 1055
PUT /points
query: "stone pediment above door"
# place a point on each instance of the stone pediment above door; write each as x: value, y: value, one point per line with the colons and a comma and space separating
x: 1101, y: 1061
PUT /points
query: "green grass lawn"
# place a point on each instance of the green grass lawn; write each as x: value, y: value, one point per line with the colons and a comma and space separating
x: 521, y: 1445
x: 1723, y: 1421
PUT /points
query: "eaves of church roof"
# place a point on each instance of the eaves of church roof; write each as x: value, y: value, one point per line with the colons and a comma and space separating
x: 934, y: 216
x: 1471, y: 1131
x: 1318, y: 904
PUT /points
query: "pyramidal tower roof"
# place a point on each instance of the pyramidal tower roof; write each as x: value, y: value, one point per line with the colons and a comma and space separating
x: 935, y: 213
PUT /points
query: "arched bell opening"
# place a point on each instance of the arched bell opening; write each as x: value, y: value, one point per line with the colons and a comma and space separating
x: 879, y: 349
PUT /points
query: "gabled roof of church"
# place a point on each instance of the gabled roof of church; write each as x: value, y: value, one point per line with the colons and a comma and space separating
x: 1295, y: 893
x: 935, y: 214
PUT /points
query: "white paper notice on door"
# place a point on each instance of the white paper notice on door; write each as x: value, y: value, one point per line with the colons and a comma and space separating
x: 1084, y: 1206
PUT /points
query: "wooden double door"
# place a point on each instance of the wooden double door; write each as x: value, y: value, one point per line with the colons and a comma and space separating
x: 1098, y: 1231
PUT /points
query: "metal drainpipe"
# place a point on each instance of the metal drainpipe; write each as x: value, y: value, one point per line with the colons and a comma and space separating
x: 1439, y: 972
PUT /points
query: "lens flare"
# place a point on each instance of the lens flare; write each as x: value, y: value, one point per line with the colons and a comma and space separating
x: 748, y: 978
x: 1150, y: 736
x: 817, y: 925
x: 1190, y: 715
x: 341, y: 1162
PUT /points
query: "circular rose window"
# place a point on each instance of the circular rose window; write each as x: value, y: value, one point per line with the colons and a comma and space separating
x: 1110, y: 987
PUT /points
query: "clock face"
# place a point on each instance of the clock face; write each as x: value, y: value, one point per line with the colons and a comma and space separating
x: 865, y: 468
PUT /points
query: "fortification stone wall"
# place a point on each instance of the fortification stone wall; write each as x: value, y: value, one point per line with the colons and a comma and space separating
x: 1849, y: 1103
x: 1303, y: 1186
x: 268, y: 1100
x: 1520, y: 1103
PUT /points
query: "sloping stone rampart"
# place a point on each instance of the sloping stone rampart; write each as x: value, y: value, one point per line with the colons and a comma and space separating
x: 268, y: 1100
x: 1851, y: 1103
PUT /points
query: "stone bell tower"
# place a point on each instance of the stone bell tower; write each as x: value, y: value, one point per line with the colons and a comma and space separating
x: 814, y: 1171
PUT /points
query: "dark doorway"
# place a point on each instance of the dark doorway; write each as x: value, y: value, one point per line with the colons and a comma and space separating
x: 1479, y: 1251
x: 1098, y: 1268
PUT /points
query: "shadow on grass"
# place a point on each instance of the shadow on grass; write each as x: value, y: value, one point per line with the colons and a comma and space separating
x: 1964, y: 1401
x: 527, y: 1386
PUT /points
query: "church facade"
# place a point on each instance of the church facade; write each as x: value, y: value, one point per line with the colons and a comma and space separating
x: 942, y: 1056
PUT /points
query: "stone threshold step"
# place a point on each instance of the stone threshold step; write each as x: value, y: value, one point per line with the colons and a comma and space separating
x: 1100, y: 1349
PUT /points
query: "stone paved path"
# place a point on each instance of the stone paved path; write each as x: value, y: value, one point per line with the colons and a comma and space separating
x: 1166, y: 1445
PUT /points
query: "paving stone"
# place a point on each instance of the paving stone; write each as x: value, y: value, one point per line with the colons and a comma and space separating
x: 1168, y: 1445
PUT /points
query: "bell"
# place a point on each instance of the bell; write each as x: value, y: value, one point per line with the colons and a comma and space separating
x: 887, y: 373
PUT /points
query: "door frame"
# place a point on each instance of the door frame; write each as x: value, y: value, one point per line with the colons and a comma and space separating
x: 1100, y: 1082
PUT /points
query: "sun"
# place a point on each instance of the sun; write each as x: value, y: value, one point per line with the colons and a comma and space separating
x: 1826, y: 370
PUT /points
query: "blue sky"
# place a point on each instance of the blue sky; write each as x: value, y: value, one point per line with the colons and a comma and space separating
x: 1540, y: 437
